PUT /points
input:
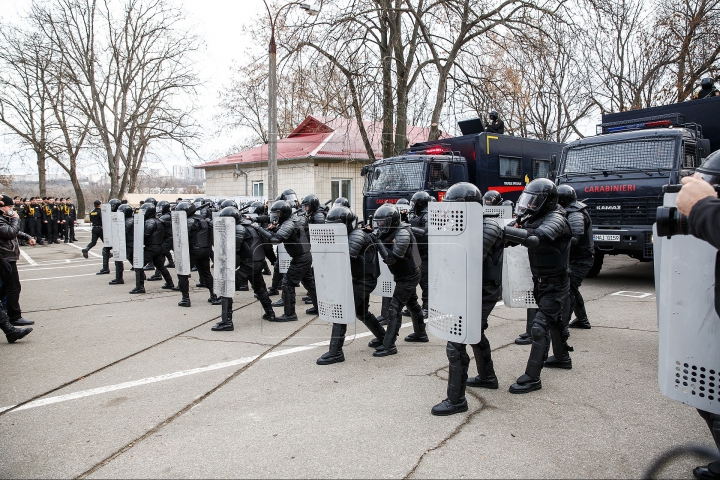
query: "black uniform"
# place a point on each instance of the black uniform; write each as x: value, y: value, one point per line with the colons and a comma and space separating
x: 581, y: 261
x: 71, y: 219
x: 200, y: 248
x: 420, y: 231
x: 400, y: 252
x: 549, y: 264
x: 167, y: 244
x: 52, y: 217
x: 293, y: 234
x: 97, y: 227
x: 250, y: 261
x: 497, y: 126
x: 152, y: 253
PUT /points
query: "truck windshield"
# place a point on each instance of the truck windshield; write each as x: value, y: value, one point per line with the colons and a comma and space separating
x: 641, y: 154
x: 406, y: 176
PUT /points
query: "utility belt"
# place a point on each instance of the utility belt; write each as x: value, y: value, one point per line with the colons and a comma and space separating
x: 551, y: 280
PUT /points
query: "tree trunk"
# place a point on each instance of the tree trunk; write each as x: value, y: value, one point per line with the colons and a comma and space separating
x: 42, y: 173
x: 387, y: 102
x: 401, y: 140
x: 439, y: 102
x: 78, y: 193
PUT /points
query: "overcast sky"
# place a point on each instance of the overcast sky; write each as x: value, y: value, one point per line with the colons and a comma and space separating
x: 219, y: 23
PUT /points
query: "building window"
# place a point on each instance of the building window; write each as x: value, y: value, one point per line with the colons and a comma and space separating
x: 257, y: 189
x: 341, y: 188
x: 510, y: 167
x: 541, y: 168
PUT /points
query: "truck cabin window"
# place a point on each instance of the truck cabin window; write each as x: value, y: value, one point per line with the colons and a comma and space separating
x: 541, y: 168
x: 405, y: 176
x: 438, y: 176
x: 632, y: 155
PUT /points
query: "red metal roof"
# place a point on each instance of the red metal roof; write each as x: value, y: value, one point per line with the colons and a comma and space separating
x: 337, y: 138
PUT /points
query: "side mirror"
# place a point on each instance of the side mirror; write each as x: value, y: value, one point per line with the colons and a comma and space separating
x: 702, y: 147
x: 364, y: 171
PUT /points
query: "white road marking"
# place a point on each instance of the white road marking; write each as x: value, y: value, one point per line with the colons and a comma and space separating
x: 53, y: 278
x: 169, y: 376
x: 61, y: 266
x: 80, y: 248
x: 625, y: 293
x: 27, y: 258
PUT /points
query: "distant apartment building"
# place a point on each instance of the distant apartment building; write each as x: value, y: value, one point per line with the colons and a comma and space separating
x: 188, y: 173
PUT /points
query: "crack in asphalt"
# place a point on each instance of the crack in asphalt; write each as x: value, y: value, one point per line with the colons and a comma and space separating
x: 226, y: 341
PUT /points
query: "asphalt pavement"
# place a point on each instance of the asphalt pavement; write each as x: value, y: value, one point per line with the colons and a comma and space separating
x: 113, y: 385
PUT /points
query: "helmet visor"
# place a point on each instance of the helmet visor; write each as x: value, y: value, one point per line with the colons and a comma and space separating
x: 274, y: 217
x: 291, y: 198
x: 711, y: 178
x: 382, y: 225
x: 528, y: 202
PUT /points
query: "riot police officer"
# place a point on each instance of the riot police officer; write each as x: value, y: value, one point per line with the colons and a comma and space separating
x: 106, y: 251
x: 152, y: 252
x: 492, y: 197
x: 495, y: 125
x: 200, y: 249
x: 707, y: 89
x: 341, y: 202
x: 541, y: 216
x: 403, y: 206
x: 398, y: 248
x: 365, y: 271
x: 419, y: 220
x: 291, y: 231
x: 313, y: 211
x: 581, y: 255
x: 163, y: 210
x: 493, y: 246
x: 127, y: 211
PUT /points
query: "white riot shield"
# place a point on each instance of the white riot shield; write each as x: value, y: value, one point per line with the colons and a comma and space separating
x: 180, y: 242
x: 283, y: 257
x: 117, y: 224
x: 139, y: 241
x: 106, y: 217
x: 333, y: 279
x: 224, y: 246
x: 385, y: 283
x: 505, y: 211
x: 455, y: 259
x: 517, y: 278
x: 215, y: 215
x: 689, y: 327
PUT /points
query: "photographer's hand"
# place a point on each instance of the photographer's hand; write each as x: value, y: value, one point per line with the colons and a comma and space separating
x: 693, y: 190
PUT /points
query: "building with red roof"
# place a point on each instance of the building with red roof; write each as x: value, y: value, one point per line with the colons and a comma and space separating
x: 321, y: 156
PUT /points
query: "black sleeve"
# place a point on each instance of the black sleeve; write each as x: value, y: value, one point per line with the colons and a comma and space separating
x: 356, y: 242
x: 552, y: 227
x: 577, y: 224
x: 403, y: 240
x: 491, y: 233
x: 704, y: 220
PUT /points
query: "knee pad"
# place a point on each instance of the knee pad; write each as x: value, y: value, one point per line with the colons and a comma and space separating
x: 538, y: 331
x: 453, y: 353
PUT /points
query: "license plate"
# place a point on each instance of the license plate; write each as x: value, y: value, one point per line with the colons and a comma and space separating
x: 606, y: 238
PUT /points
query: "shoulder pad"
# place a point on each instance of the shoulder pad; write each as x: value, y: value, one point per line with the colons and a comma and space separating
x: 575, y: 207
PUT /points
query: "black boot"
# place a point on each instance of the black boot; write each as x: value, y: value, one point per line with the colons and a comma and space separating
x: 337, y: 339
x: 226, y: 325
x: 314, y: 309
x: 280, y: 302
x: 457, y: 375
x: 486, y: 373
x: 375, y: 328
x: 149, y: 266
x: 266, y: 269
x: 156, y: 276
x: 530, y: 381
x: 12, y: 333
x: 288, y: 305
x: 185, y: 302
x: 526, y: 338
x: 266, y: 303
x: 419, y: 334
x: 214, y: 300
x: 139, y: 282
x: 561, y: 357
x: 583, y: 323
x: 84, y: 250
x: 118, y: 280
x: 393, y: 328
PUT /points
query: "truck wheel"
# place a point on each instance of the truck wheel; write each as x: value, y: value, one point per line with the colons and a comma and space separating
x: 597, y: 266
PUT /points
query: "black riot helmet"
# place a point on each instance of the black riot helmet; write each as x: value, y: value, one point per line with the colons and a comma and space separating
x: 492, y: 197
x: 289, y: 195
x: 233, y: 212
x: 188, y: 208
x: 493, y: 115
x: 151, y: 200
x: 419, y: 201
x: 540, y: 196
x: 163, y: 206
x: 566, y: 195
x: 114, y: 204
x: 228, y: 203
x: 342, y: 201
x: 148, y: 210
x: 280, y: 211
x: 258, y: 208
x: 310, y: 203
x: 707, y: 83
x: 710, y: 169
x: 508, y: 203
x: 340, y: 214
x: 198, y: 202
x: 463, y: 192
x: 403, y: 205
x: 386, y: 219
x: 126, y: 210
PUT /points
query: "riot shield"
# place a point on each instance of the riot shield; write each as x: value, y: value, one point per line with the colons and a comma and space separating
x: 106, y: 217
x: 333, y: 279
x: 455, y: 258
x: 517, y: 278
x: 224, y: 246
x: 283, y: 257
x: 505, y: 211
x: 689, y: 327
x: 117, y: 224
x: 385, y: 283
x: 180, y: 242
x: 139, y: 241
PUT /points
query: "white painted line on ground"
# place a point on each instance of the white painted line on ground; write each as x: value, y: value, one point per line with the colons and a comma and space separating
x: 625, y: 293
x: 27, y: 258
x: 58, y: 267
x: 53, y: 278
x: 182, y: 373
x: 80, y: 248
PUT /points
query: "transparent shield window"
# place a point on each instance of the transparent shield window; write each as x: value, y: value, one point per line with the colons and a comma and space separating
x: 404, y: 176
x: 341, y: 188
x: 541, y: 168
x: 509, y: 167
x: 257, y: 189
x: 642, y: 154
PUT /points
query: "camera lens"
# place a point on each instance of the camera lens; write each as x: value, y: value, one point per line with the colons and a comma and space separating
x: 671, y: 222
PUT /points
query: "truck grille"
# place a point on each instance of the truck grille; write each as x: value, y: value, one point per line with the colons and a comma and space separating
x: 633, y: 211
